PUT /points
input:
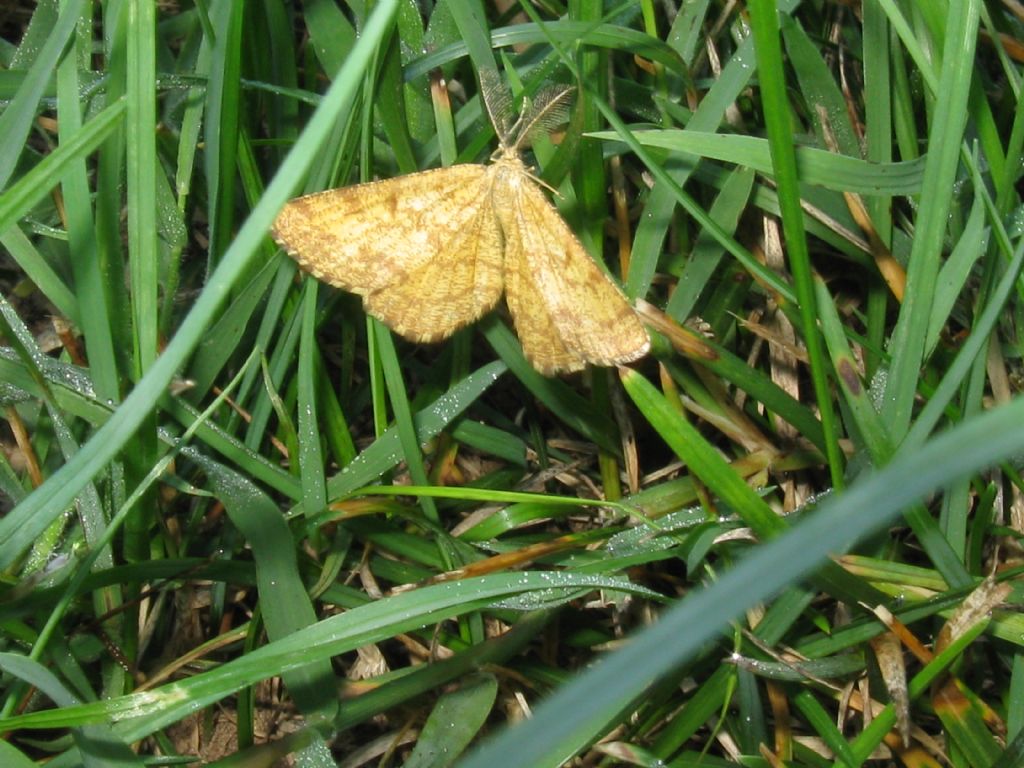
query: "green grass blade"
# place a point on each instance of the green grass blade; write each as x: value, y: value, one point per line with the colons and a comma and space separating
x: 947, y: 133
x: 577, y: 714
x: 16, y: 119
x: 48, y: 501
x: 764, y: 23
x: 140, y: 122
x: 146, y: 712
x: 16, y: 200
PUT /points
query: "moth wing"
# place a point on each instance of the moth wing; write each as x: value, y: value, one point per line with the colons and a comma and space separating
x: 460, y: 281
x: 566, y: 311
x: 423, y: 250
x: 362, y: 237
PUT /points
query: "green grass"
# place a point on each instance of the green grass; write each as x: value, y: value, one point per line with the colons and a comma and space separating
x: 226, y: 474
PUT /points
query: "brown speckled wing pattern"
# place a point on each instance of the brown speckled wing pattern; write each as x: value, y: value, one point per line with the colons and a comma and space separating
x: 431, y: 252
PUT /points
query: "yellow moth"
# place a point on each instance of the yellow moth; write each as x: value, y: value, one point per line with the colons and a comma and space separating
x: 432, y: 252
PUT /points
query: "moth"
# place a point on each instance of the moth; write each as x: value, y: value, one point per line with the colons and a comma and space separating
x: 432, y: 252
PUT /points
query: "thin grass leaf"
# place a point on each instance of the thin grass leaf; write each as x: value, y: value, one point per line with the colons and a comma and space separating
x: 907, y: 342
x: 32, y: 515
x: 580, y: 711
x: 16, y: 119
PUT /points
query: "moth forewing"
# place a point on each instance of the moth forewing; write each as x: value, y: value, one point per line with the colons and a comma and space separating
x: 460, y: 282
x: 423, y: 250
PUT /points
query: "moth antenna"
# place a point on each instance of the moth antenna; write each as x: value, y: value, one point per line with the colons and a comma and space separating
x: 497, y: 100
x: 550, y: 109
